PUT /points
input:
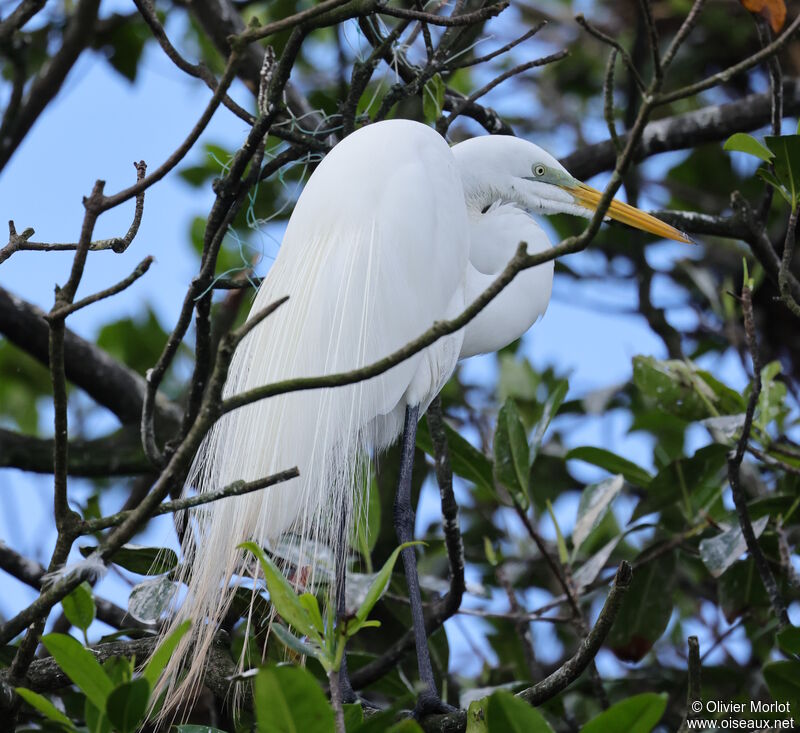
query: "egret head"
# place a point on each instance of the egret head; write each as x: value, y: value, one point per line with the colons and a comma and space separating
x: 505, y: 168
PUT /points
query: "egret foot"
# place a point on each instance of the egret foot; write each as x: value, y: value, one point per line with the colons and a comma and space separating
x: 431, y: 704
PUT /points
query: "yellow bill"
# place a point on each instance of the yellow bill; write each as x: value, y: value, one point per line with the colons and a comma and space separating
x: 589, y: 197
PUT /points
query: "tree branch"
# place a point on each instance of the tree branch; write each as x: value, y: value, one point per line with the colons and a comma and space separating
x: 713, y: 123
x: 108, y: 382
x: 735, y: 462
x: 118, y: 454
x: 567, y: 673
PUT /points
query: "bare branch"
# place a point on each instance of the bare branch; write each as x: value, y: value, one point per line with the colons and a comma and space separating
x: 784, y: 281
x: 237, y: 488
x: 66, y: 310
x: 735, y: 461
x: 564, y: 675
x: 605, y: 38
x: 447, y: 21
x: 723, y: 76
x: 712, y: 123
x: 118, y: 454
x: 108, y: 382
x: 682, y: 34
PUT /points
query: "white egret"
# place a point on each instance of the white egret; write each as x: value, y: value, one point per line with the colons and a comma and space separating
x: 394, y: 231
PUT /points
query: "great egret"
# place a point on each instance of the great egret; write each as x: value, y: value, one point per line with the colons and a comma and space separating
x: 394, y: 230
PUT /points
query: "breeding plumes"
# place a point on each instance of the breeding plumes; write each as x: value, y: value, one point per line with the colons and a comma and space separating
x: 395, y: 230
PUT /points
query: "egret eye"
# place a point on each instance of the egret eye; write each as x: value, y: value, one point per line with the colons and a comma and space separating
x: 538, y: 170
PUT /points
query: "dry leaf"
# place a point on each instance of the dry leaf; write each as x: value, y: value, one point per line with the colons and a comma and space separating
x: 773, y: 10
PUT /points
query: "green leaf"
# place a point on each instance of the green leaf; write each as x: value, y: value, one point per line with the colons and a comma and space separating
x: 79, y: 607
x: 44, y: 706
x: 741, y: 142
x: 289, y: 700
x: 309, y: 601
x: 772, y: 399
x: 679, y: 388
x: 283, y: 597
x: 787, y: 163
x: 296, y: 644
x: 704, y: 470
x: 612, y: 463
x: 783, y: 681
x: 379, y: 585
x: 770, y: 178
x: 141, y: 560
x: 189, y: 728
x: 368, y: 528
x: 405, y: 726
x: 433, y: 98
x: 561, y: 543
x: 467, y: 461
x: 637, y: 714
x: 741, y: 591
x: 127, y: 704
x: 554, y: 401
x: 161, y: 656
x: 789, y: 640
x: 506, y: 713
x: 476, y: 716
x: 587, y: 572
x: 645, y: 610
x: 150, y: 599
x: 96, y: 721
x: 118, y: 669
x: 353, y: 715
x: 80, y: 666
x: 511, y: 453
x: 720, y: 552
x: 594, y: 503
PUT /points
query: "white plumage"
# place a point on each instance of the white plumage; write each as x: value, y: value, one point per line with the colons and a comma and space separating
x: 394, y: 231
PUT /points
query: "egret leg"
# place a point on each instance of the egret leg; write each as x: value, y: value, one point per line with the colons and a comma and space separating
x: 348, y: 693
x: 429, y: 700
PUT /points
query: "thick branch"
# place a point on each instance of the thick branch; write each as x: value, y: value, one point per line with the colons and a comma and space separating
x: 118, y: 454
x: 104, y: 379
x: 709, y: 124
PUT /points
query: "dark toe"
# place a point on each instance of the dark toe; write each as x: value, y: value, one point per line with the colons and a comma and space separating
x: 429, y: 704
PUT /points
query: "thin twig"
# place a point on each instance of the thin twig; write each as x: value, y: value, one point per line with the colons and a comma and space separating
x: 773, y: 462
x: 448, y: 21
x: 66, y: 310
x: 141, y: 185
x: 608, y: 99
x: 578, y: 621
x: 727, y: 74
x: 683, y: 32
x: 444, y: 123
x: 498, y: 51
x: 237, y: 488
x: 198, y: 71
x: 580, y: 19
x: 786, y: 264
x: 735, y: 461
x: 652, y: 37
x: 566, y: 673
x: 256, y: 34
x: 694, y: 691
